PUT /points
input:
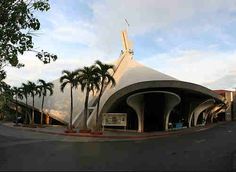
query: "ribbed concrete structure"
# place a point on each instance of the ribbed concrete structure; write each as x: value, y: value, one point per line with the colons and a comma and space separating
x: 137, y: 84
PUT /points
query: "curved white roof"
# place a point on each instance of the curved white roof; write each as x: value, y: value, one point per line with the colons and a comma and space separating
x: 137, y: 72
x: 127, y: 72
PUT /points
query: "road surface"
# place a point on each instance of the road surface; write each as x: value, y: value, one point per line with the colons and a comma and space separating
x: 212, y: 149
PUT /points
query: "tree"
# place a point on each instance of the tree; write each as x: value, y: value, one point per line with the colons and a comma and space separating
x: 17, y: 93
x: 89, y: 79
x: 17, y: 26
x: 44, y: 88
x: 3, y: 75
x: 6, y: 97
x: 33, y: 91
x: 105, y: 79
x: 71, y: 79
x: 4, y: 87
x: 25, y: 91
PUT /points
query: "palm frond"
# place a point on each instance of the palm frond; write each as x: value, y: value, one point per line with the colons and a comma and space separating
x: 63, y: 85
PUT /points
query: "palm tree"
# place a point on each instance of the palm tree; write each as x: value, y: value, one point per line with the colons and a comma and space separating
x: 89, y: 80
x: 6, y: 97
x: 25, y: 91
x: 3, y: 86
x: 105, y: 79
x: 18, y: 94
x: 71, y: 79
x: 44, y: 87
x: 33, y: 91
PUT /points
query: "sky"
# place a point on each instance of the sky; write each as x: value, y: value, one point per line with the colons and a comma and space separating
x: 191, y: 40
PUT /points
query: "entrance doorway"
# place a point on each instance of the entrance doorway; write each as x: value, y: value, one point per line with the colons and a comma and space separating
x: 154, y: 112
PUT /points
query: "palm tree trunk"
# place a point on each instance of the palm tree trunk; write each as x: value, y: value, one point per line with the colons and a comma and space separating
x: 26, y: 112
x: 86, y: 110
x: 98, y: 105
x: 16, y: 111
x: 41, y: 120
x: 32, y: 121
x: 71, y: 108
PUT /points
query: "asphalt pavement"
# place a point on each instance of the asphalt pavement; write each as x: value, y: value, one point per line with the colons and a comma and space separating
x: 206, y: 149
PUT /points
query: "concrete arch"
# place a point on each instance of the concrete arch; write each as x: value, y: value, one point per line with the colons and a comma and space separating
x: 208, y: 112
x: 218, y: 109
x: 113, y: 94
x: 211, y: 112
x: 136, y: 101
x: 197, y: 111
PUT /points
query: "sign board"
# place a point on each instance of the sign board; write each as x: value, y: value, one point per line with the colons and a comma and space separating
x: 114, y: 119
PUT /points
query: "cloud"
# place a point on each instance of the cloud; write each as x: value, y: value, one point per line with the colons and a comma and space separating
x: 101, y: 30
x: 149, y: 15
x: 72, y: 31
x: 191, y: 34
x: 227, y: 82
x: 201, y: 67
x: 35, y: 69
x: 183, y: 21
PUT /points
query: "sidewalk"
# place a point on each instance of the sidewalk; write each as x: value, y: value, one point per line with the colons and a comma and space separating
x: 112, y: 134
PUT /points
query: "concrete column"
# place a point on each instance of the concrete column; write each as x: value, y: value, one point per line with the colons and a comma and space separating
x: 228, y: 102
x: 198, y: 110
x: 171, y: 101
x: 211, y: 113
x: 137, y: 103
x: 205, y: 105
x: 47, y: 119
x: 193, y: 104
x: 216, y: 111
x: 208, y: 113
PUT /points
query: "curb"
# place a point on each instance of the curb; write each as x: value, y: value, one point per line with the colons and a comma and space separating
x: 131, y: 137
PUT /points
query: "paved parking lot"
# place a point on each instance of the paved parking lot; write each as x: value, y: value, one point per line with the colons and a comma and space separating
x: 210, y: 149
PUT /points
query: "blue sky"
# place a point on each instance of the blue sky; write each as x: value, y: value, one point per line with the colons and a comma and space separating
x: 191, y: 40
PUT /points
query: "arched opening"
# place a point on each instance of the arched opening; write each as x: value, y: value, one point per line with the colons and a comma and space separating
x: 154, y: 112
x: 200, y: 119
x: 153, y: 109
x: 221, y: 116
x: 121, y: 107
x: 208, y: 119
x: 176, y: 119
x: 37, y: 117
x: 132, y: 119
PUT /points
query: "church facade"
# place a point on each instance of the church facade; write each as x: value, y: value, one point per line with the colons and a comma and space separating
x: 151, y: 100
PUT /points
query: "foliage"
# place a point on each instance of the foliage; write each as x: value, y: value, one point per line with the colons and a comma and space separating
x: 16, y: 92
x: 25, y: 90
x: 6, y: 96
x: 71, y: 79
x: 33, y: 89
x: 44, y: 88
x: 3, y: 75
x: 17, y: 25
x: 89, y: 80
x: 104, y: 73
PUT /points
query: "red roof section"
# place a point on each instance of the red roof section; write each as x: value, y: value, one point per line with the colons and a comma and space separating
x: 221, y: 91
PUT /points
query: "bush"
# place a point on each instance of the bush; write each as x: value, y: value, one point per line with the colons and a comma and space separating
x: 8, y: 114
